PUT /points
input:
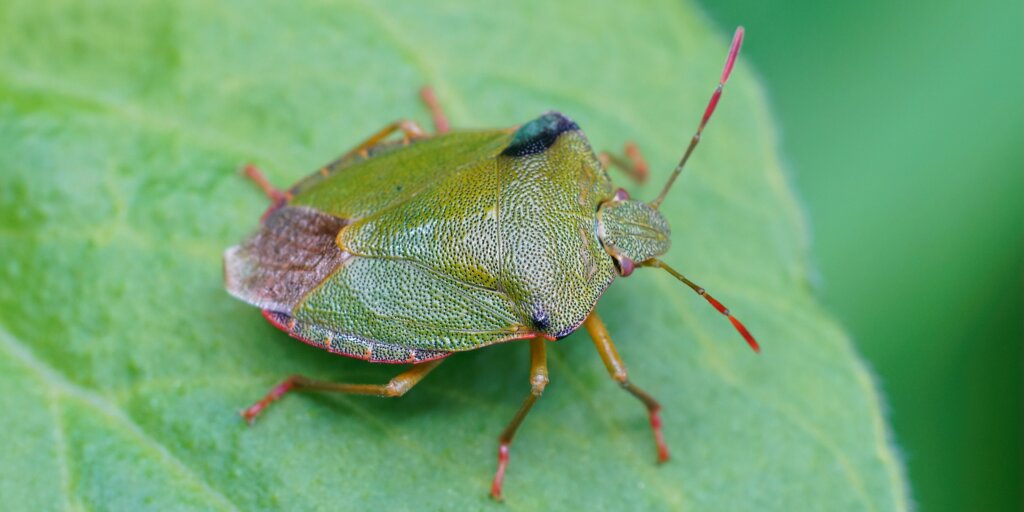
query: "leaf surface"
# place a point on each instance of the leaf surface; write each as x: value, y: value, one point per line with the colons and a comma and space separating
x: 123, y: 363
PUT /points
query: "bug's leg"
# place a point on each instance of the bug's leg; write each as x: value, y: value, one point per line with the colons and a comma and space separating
x: 633, y: 164
x: 430, y: 99
x: 617, y: 370
x: 278, y: 197
x: 538, y: 380
x: 256, y: 175
x: 398, y: 386
x: 410, y: 130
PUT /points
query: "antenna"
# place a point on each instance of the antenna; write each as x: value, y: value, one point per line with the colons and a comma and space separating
x: 734, y: 50
x: 714, y: 303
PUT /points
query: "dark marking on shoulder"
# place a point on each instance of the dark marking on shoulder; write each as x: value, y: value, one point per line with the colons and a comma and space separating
x: 540, y: 134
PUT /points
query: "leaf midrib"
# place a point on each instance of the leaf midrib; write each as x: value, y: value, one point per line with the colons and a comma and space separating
x: 56, y: 385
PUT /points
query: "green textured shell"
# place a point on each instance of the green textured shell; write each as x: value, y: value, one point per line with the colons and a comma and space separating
x: 448, y: 244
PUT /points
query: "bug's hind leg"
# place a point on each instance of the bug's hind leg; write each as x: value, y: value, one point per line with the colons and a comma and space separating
x: 633, y: 164
x: 256, y: 175
x: 398, y: 386
x: 538, y: 381
x: 617, y: 370
x: 278, y: 197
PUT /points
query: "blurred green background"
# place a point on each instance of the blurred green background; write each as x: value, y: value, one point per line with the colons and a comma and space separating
x: 904, y: 126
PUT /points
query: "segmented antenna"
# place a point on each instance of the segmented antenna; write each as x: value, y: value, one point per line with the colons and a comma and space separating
x: 734, y: 50
x: 711, y: 300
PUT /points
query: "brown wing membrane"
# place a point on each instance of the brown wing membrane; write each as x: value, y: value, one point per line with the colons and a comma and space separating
x: 290, y: 255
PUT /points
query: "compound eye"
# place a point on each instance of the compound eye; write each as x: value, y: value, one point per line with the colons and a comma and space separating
x: 624, y: 265
x: 621, y: 195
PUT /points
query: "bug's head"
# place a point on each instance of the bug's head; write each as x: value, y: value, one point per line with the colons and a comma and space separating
x: 631, y: 231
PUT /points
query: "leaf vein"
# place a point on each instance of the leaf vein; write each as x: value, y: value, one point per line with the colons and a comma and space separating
x: 55, y: 382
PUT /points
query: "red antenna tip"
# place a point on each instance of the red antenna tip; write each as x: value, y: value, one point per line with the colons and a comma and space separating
x: 735, y: 323
x: 730, y: 61
x: 734, y: 51
x: 745, y: 333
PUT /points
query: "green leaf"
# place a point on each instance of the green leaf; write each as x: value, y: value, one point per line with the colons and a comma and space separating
x: 123, y: 364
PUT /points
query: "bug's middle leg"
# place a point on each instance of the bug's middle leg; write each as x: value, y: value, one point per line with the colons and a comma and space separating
x: 410, y: 130
x: 430, y: 99
x: 617, y: 370
x: 538, y: 381
x: 397, y: 387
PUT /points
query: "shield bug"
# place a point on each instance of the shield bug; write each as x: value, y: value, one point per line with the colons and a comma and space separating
x: 408, y: 250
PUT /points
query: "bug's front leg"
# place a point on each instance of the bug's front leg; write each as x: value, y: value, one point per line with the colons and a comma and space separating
x: 398, y: 386
x: 633, y: 164
x: 538, y: 381
x: 617, y: 370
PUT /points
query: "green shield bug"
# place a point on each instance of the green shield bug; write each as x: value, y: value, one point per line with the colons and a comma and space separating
x: 409, y: 250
